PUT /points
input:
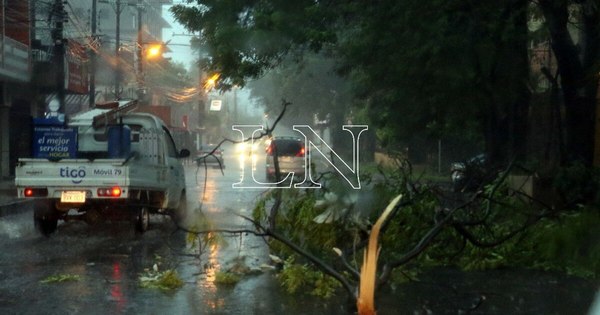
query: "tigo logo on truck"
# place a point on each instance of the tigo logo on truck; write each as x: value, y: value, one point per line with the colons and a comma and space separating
x: 76, y: 174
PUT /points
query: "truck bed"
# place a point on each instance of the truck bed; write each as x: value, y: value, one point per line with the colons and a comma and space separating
x: 87, y: 175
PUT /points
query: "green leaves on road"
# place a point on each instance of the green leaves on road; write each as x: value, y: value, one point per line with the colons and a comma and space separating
x: 60, y: 278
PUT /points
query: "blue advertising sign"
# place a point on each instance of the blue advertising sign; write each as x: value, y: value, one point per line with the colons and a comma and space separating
x: 54, y: 142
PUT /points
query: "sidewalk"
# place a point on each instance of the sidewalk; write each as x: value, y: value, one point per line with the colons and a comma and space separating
x: 8, y: 192
x: 9, y: 203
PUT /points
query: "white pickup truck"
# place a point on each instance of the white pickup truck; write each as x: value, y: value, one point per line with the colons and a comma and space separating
x: 125, y: 165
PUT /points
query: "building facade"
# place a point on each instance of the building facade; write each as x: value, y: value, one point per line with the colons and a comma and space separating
x: 15, y: 75
x: 28, y: 70
x: 116, y: 25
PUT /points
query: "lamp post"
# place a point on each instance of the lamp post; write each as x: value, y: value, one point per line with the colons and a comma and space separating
x: 93, y: 62
x: 117, y: 52
x: 145, y: 51
x: 116, y: 4
x: 139, y: 46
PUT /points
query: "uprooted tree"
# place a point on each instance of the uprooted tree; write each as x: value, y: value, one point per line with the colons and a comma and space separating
x: 326, y: 236
x: 451, y: 70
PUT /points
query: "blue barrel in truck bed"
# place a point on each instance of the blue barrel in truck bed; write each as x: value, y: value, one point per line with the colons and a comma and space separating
x: 119, y: 141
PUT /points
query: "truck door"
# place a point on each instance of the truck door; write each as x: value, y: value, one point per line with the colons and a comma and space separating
x: 175, y: 174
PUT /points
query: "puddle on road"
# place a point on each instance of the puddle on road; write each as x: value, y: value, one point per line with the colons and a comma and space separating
x: 110, y: 285
x: 17, y: 226
x: 10, y: 229
x: 110, y: 258
x: 451, y: 291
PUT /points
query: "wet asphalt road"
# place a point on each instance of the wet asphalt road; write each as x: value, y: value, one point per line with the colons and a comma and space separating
x: 110, y: 257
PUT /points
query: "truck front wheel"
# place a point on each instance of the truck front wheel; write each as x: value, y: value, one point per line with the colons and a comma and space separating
x: 45, y: 218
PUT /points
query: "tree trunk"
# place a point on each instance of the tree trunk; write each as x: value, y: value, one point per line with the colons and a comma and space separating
x: 518, y: 107
x: 506, y: 130
x: 577, y: 68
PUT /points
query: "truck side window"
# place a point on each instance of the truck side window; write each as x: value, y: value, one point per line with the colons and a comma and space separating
x: 101, y: 134
x: 171, y: 150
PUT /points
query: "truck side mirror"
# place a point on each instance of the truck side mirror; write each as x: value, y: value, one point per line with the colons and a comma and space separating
x: 184, y: 153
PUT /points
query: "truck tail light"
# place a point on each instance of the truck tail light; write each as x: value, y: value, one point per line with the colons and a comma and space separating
x: 35, y: 192
x: 301, y: 152
x: 109, y: 192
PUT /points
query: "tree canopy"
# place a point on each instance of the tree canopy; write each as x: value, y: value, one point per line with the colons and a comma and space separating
x: 454, y: 70
x: 243, y: 38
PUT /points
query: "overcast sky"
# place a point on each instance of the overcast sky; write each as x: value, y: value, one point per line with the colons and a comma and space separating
x: 181, y: 52
x: 179, y: 45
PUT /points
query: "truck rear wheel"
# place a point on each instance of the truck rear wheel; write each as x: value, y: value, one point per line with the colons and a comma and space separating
x: 93, y: 216
x: 45, y: 218
x: 142, y: 219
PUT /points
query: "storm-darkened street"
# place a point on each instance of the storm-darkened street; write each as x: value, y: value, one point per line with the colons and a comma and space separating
x: 300, y: 157
x: 108, y: 260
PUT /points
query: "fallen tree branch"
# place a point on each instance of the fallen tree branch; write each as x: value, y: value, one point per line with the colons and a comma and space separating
x: 423, y: 243
x: 316, y: 261
x: 355, y: 274
x: 473, y: 240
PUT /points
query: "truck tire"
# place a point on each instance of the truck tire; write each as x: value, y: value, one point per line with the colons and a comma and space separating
x: 93, y: 216
x: 45, y: 218
x: 142, y: 219
x: 178, y: 215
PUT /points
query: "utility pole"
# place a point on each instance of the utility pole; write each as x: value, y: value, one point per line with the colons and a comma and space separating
x: 92, y: 95
x: 116, y: 4
x: 117, y: 52
x: 59, y: 52
x: 32, y: 19
x: 140, y: 54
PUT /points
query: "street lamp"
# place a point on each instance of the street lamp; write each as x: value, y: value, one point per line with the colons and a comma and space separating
x: 211, y: 82
x: 148, y: 51
x: 154, y: 51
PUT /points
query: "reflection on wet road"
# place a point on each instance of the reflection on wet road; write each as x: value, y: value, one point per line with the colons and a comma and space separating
x: 110, y: 257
